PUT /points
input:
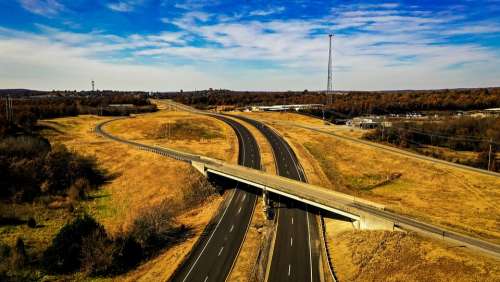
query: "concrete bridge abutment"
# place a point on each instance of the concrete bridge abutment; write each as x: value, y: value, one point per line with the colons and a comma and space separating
x: 370, y: 222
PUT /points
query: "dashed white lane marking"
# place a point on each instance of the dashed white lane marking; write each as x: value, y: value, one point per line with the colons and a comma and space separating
x: 231, y: 229
x: 222, y: 248
x: 291, y: 241
x: 206, y: 278
x: 289, y: 269
x: 292, y: 220
x: 244, y: 196
x: 239, y: 210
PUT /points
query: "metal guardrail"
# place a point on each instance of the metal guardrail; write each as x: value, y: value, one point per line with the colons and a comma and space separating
x: 181, y: 156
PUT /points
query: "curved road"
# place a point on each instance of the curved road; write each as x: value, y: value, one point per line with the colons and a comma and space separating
x: 297, y: 247
x: 214, y: 258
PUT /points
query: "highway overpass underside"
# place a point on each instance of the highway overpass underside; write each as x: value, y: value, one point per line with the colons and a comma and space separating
x: 360, y: 219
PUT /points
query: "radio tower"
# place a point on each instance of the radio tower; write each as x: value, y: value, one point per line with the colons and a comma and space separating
x: 93, y: 86
x: 329, y: 85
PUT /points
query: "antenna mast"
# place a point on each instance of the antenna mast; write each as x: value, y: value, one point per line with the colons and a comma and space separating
x: 329, y: 86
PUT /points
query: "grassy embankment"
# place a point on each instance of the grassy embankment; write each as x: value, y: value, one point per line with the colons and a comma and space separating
x: 182, y: 131
x: 443, y: 195
x: 140, y: 180
x: 399, y: 256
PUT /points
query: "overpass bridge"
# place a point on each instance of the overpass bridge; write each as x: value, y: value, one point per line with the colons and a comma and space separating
x: 316, y: 196
x: 364, y: 214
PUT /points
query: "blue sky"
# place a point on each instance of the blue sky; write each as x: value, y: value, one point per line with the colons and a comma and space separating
x: 249, y: 45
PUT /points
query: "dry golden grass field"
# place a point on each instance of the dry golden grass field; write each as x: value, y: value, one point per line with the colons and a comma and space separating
x: 140, y: 180
x: 182, y: 131
x: 397, y: 256
x: 444, y: 195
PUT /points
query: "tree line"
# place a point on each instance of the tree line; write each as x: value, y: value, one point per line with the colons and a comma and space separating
x: 350, y: 103
x: 481, y: 135
x: 28, y: 109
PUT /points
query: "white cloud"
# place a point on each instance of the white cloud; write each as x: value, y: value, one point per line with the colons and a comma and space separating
x: 192, y: 4
x: 474, y: 29
x: 47, y: 8
x: 388, y: 49
x: 267, y: 12
x: 124, y: 6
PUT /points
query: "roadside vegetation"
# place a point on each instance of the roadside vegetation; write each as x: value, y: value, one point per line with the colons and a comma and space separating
x: 476, y: 140
x: 75, y: 206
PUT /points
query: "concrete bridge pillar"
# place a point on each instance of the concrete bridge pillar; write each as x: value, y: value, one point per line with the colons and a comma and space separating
x: 267, y: 203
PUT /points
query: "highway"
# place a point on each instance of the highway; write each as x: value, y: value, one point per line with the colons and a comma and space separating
x: 313, y: 195
x: 296, y: 252
x: 213, y: 259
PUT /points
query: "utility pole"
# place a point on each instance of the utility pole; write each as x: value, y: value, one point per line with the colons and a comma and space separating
x: 9, y: 110
x: 489, y: 154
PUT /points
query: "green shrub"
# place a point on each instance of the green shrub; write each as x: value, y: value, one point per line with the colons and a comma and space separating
x: 19, y: 257
x: 127, y: 254
x: 64, y: 254
x: 31, y: 222
x: 151, y: 228
x: 97, y: 253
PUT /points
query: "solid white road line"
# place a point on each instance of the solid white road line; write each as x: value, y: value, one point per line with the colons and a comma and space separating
x: 210, y: 238
x: 309, y: 242
x: 222, y: 248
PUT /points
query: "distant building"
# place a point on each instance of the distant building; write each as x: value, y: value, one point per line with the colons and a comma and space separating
x: 493, y: 110
x: 368, y: 122
x: 484, y: 113
x: 122, y: 105
x: 277, y: 108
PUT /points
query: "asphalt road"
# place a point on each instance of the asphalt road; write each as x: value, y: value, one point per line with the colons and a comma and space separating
x: 296, y: 252
x: 213, y: 259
